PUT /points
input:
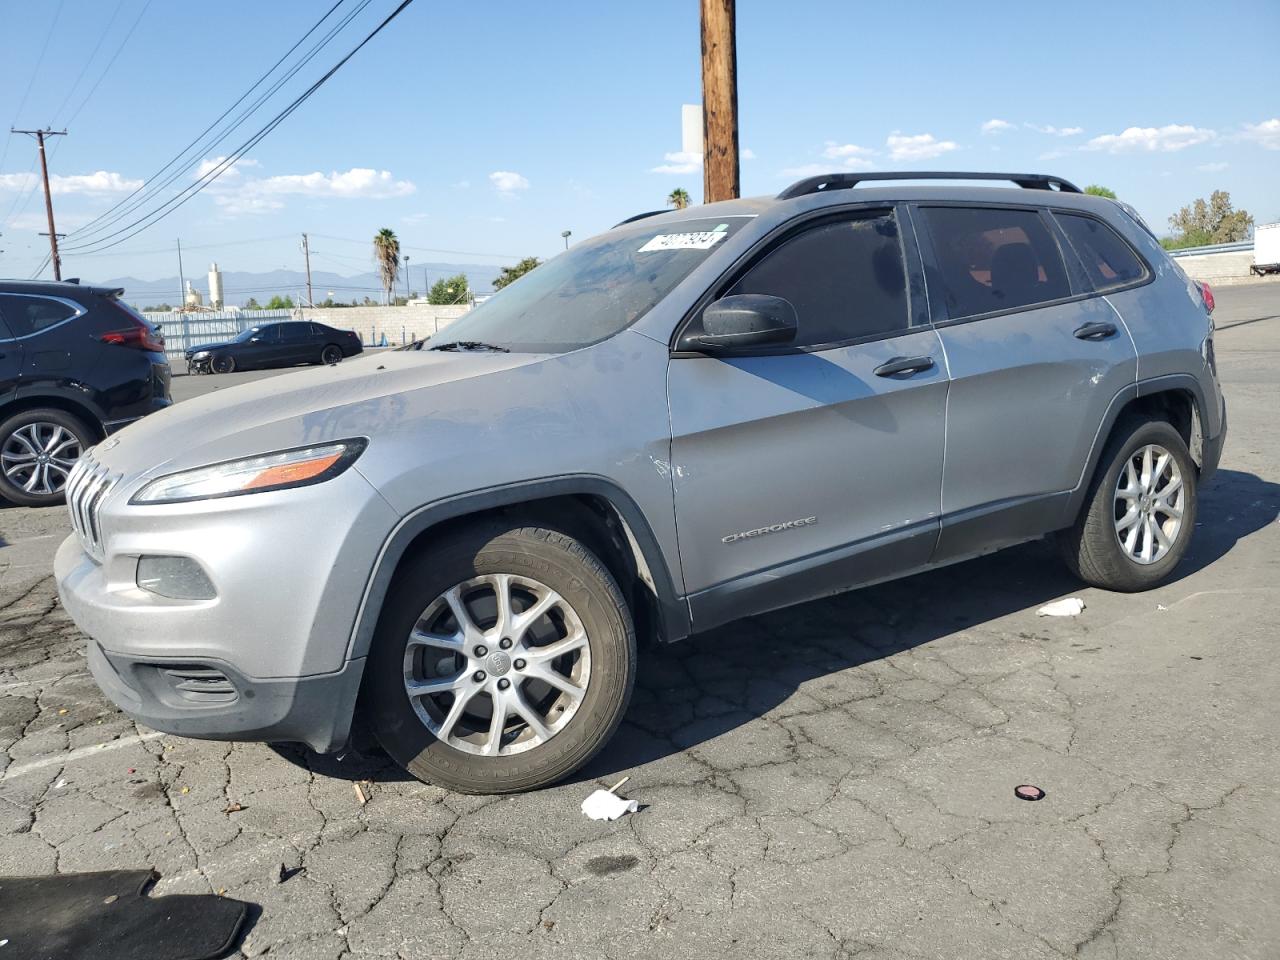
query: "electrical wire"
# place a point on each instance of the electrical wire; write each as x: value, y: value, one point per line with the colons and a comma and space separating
x: 110, y: 63
x: 149, y: 187
x: 454, y: 253
x: 44, y: 48
x: 102, y: 36
x: 181, y: 198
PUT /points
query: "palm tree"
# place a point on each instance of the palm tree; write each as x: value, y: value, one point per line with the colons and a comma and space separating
x: 386, y: 254
x: 678, y: 198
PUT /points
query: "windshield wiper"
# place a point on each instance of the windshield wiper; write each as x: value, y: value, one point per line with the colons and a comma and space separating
x: 469, y: 345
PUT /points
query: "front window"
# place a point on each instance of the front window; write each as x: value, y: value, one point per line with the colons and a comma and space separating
x: 595, y: 290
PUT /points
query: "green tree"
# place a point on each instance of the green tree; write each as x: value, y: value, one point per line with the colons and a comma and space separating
x: 158, y: 308
x: 386, y: 254
x: 251, y: 304
x: 1100, y: 191
x: 1202, y: 223
x: 450, y: 290
x: 678, y: 198
x: 510, y: 274
x: 280, y: 303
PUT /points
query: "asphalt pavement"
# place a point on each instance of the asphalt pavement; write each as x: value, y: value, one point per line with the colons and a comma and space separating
x: 834, y: 780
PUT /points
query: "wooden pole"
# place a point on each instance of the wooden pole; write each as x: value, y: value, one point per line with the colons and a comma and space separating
x: 719, y: 102
x: 48, y: 197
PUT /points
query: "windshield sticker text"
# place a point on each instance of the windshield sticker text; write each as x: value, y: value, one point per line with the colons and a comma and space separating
x: 702, y: 240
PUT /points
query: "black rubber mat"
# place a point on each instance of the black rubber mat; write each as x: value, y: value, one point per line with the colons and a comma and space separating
x: 107, y: 916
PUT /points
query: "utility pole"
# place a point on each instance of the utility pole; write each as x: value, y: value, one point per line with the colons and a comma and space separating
x: 306, y: 252
x: 407, y: 284
x: 48, y: 200
x: 719, y: 102
x: 182, y: 281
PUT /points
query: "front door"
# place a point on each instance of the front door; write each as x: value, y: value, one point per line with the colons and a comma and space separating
x: 1035, y: 360
x: 804, y: 470
x: 10, y: 359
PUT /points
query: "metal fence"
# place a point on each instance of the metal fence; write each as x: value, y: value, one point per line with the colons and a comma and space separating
x: 1242, y: 246
x: 184, y: 330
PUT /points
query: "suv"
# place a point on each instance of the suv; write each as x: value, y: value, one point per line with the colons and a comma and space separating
x: 697, y: 416
x: 76, y: 364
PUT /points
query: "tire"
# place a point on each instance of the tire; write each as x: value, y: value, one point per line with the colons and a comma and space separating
x: 538, y: 561
x: 331, y: 354
x: 1093, y: 548
x: 25, y: 438
x: 222, y: 364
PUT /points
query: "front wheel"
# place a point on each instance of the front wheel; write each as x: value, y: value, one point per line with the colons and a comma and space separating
x: 1137, y: 523
x: 504, y: 660
x: 223, y: 364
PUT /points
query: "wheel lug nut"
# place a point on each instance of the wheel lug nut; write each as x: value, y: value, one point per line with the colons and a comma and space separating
x: 503, y: 683
x: 478, y: 676
x: 481, y: 651
x: 505, y: 643
x: 519, y: 664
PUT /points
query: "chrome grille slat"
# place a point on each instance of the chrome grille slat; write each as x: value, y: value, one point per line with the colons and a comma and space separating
x: 87, y: 489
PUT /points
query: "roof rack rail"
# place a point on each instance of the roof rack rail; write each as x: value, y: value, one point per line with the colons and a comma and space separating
x: 639, y: 216
x: 845, y: 181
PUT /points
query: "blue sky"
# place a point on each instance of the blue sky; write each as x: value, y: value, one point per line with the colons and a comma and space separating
x: 489, y: 127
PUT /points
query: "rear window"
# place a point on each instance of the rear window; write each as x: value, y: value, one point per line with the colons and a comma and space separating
x: 991, y: 259
x: 26, y: 314
x: 1109, y: 261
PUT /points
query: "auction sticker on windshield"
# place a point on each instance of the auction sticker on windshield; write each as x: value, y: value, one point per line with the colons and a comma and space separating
x: 701, y: 240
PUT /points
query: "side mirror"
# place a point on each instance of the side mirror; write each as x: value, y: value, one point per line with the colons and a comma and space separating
x: 744, y: 321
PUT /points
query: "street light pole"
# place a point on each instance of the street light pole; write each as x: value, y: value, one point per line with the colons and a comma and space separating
x: 408, y: 284
x: 566, y: 234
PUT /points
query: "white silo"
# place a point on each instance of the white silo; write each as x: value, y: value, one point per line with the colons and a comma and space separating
x: 215, y: 287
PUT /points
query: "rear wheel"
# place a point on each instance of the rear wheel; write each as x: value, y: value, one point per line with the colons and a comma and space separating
x: 1137, y: 523
x: 38, y: 448
x: 331, y: 354
x: 504, y: 660
x: 223, y: 364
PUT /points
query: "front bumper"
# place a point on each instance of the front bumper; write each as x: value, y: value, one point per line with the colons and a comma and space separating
x: 1211, y: 450
x: 211, y: 700
x: 269, y: 657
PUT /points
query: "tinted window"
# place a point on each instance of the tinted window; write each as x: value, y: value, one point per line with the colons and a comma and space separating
x: 1107, y: 259
x: 845, y: 279
x: 993, y: 260
x: 27, y: 315
x: 293, y: 332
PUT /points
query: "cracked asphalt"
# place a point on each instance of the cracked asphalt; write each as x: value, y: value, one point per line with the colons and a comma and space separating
x: 834, y: 780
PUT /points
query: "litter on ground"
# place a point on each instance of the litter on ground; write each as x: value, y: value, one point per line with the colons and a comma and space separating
x: 1067, y: 607
x: 607, y: 805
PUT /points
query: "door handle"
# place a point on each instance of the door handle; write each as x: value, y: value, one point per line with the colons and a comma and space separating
x: 907, y: 365
x: 1096, y: 331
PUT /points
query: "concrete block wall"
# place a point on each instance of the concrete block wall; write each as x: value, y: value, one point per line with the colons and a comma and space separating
x: 1218, y: 267
x: 399, y: 324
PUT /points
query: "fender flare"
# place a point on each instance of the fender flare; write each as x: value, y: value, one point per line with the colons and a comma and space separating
x: 672, y: 607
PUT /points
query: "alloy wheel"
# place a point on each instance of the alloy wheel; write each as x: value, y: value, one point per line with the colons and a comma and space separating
x: 1149, y: 502
x: 497, y: 665
x: 331, y: 355
x: 37, y: 457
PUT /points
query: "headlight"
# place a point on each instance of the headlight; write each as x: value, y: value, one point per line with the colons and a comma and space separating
x: 198, y: 355
x: 299, y: 467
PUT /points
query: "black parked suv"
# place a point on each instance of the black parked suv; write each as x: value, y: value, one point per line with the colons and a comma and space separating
x: 76, y: 364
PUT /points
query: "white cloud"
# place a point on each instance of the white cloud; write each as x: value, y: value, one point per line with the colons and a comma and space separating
x: 1166, y: 139
x: 679, y: 162
x: 35, y: 220
x: 996, y: 126
x: 263, y: 194
x: 508, y: 182
x: 806, y: 170
x: 1212, y: 167
x: 1266, y: 134
x: 843, y: 151
x: 1054, y: 131
x: 209, y: 164
x: 102, y: 181
x: 747, y: 153
x: 921, y: 146
x: 415, y: 217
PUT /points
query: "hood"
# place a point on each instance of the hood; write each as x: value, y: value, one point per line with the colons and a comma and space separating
x: 294, y: 409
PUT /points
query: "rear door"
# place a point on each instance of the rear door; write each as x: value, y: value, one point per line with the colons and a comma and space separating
x: 800, y: 471
x: 1035, y: 359
x: 297, y: 343
x: 10, y: 359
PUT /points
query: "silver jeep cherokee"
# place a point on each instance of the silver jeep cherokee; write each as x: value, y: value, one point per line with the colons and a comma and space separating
x: 694, y: 417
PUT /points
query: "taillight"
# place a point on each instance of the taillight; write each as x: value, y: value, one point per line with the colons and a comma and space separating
x: 137, y: 334
x: 1206, y: 294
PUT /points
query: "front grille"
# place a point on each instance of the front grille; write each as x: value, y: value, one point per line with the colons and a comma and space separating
x: 87, y: 488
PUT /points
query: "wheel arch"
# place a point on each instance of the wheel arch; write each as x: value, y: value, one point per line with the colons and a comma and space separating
x: 80, y: 411
x: 1177, y: 399
x: 590, y: 508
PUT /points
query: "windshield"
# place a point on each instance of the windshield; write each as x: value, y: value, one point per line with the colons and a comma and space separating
x: 244, y: 335
x: 597, y: 288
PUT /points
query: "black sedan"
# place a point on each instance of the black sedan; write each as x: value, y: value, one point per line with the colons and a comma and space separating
x: 275, y: 345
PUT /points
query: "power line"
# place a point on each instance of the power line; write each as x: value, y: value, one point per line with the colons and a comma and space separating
x: 32, y: 79
x: 149, y: 187
x: 110, y: 63
x: 102, y: 36
x: 454, y: 253
x: 181, y: 198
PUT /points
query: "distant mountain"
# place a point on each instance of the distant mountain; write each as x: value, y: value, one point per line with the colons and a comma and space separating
x: 238, y: 286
